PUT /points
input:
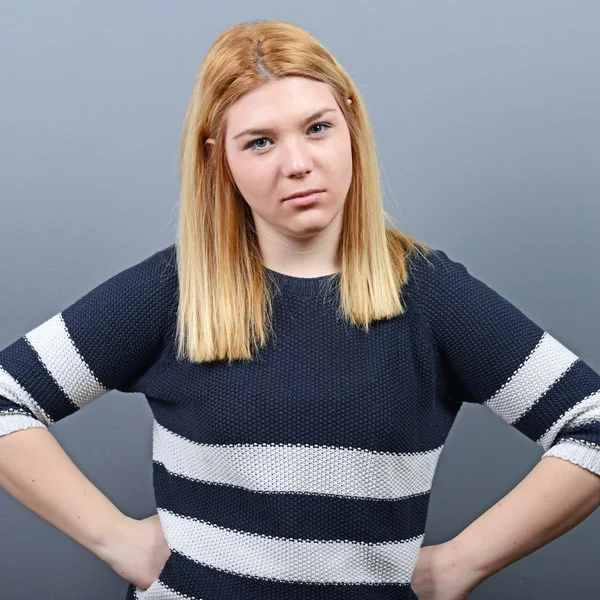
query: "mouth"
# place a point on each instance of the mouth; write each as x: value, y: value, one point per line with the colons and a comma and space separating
x: 303, y: 193
x: 305, y: 199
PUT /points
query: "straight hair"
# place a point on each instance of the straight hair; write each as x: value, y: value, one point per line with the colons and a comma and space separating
x: 225, y: 305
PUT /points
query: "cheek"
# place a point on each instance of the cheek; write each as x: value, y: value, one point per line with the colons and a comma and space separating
x: 247, y: 175
x: 340, y: 167
x: 253, y: 181
x: 338, y: 159
x: 257, y: 183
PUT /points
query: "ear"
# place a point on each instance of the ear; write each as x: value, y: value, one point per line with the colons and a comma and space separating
x: 210, y: 141
x: 349, y: 100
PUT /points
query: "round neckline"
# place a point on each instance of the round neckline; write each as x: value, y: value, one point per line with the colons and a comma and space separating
x: 301, y: 286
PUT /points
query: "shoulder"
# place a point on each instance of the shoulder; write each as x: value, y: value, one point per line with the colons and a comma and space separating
x: 162, y: 262
x: 141, y: 290
x: 154, y: 273
x: 442, y: 286
x: 434, y: 269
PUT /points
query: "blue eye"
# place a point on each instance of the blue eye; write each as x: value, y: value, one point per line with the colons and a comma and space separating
x: 252, y: 144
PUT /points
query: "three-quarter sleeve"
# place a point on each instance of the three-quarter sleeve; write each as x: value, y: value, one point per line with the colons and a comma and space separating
x: 495, y: 355
x: 108, y: 339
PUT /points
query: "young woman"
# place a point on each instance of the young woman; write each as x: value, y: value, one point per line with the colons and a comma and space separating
x: 304, y: 363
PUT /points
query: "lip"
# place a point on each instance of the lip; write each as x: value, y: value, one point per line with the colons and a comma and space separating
x: 303, y: 193
x: 304, y: 200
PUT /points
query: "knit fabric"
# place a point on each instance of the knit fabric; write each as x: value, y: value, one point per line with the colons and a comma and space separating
x: 304, y: 474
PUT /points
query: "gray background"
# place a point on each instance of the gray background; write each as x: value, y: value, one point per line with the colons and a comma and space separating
x: 487, y: 122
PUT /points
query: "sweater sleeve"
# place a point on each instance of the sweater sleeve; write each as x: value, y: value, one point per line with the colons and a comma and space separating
x: 107, y: 339
x: 496, y: 356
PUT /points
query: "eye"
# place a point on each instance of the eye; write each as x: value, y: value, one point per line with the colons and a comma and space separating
x: 320, y: 124
x: 253, y: 145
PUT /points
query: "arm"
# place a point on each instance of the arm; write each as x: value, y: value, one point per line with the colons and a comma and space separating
x: 555, y: 496
x: 36, y: 471
x: 109, y: 339
x: 493, y: 354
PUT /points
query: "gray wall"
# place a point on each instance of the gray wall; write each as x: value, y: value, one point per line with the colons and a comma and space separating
x: 487, y: 121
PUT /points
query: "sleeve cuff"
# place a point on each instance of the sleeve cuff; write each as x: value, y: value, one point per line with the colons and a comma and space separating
x: 580, y: 453
x: 10, y: 423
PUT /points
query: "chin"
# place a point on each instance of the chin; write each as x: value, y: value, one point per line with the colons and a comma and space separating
x: 312, y: 224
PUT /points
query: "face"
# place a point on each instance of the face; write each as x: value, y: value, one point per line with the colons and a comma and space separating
x: 300, y: 151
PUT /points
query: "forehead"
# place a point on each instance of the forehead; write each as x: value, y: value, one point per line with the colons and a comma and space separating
x: 279, y: 102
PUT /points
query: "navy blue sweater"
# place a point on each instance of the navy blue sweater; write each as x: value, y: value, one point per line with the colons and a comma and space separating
x: 305, y: 473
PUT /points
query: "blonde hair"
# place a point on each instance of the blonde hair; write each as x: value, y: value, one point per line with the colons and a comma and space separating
x: 225, y: 305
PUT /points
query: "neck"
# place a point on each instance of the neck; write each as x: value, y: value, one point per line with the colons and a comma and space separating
x: 309, y: 257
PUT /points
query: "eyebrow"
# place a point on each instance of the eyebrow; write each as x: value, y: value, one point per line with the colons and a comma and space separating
x: 264, y: 130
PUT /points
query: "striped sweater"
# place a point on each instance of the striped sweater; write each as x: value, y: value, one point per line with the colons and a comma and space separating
x: 304, y: 474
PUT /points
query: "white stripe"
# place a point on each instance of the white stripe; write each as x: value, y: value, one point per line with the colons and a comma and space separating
x: 11, y: 389
x: 159, y: 591
x: 304, y: 469
x: 580, y: 453
x: 544, y: 366
x: 53, y: 344
x: 11, y: 423
x: 291, y: 560
x: 586, y: 411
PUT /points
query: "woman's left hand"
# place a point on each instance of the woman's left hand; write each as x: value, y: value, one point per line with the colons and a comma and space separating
x: 440, y: 574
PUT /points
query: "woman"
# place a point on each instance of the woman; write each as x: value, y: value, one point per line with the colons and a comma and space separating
x: 304, y: 364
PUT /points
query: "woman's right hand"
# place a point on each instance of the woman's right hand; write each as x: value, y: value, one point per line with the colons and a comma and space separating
x: 139, y: 552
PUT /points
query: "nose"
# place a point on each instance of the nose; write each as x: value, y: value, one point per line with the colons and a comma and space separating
x: 296, y: 159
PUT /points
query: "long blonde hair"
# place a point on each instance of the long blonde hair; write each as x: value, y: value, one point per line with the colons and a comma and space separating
x: 225, y: 306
